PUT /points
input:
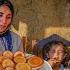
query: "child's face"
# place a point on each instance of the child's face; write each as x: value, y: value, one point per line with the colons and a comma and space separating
x: 5, y: 17
x: 56, y: 54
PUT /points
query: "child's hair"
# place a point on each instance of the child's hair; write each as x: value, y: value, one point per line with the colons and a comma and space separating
x: 9, y: 4
x: 49, y: 45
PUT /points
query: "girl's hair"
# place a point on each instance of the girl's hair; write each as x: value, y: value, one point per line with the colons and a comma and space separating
x: 49, y: 45
x: 9, y: 4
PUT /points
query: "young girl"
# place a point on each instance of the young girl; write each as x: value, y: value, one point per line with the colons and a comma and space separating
x: 56, y: 52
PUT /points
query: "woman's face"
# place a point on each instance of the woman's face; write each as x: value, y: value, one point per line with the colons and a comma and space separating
x: 56, y: 54
x: 5, y: 18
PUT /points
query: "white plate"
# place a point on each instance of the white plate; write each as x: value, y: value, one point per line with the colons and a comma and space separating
x: 45, y: 66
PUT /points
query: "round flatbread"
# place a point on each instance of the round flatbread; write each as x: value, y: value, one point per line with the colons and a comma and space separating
x: 19, y: 53
x: 23, y: 66
x: 19, y: 59
x: 7, y: 63
x: 35, y: 61
x: 8, y: 54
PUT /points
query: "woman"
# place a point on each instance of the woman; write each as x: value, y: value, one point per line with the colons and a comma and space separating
x: 8, y: 39
x: 55, y: 52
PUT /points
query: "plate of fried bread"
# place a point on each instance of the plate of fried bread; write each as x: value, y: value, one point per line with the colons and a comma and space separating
x: 20, y: 61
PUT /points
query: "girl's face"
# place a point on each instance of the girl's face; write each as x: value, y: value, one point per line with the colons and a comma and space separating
x: 56, y: 54
x: 5, y: 18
